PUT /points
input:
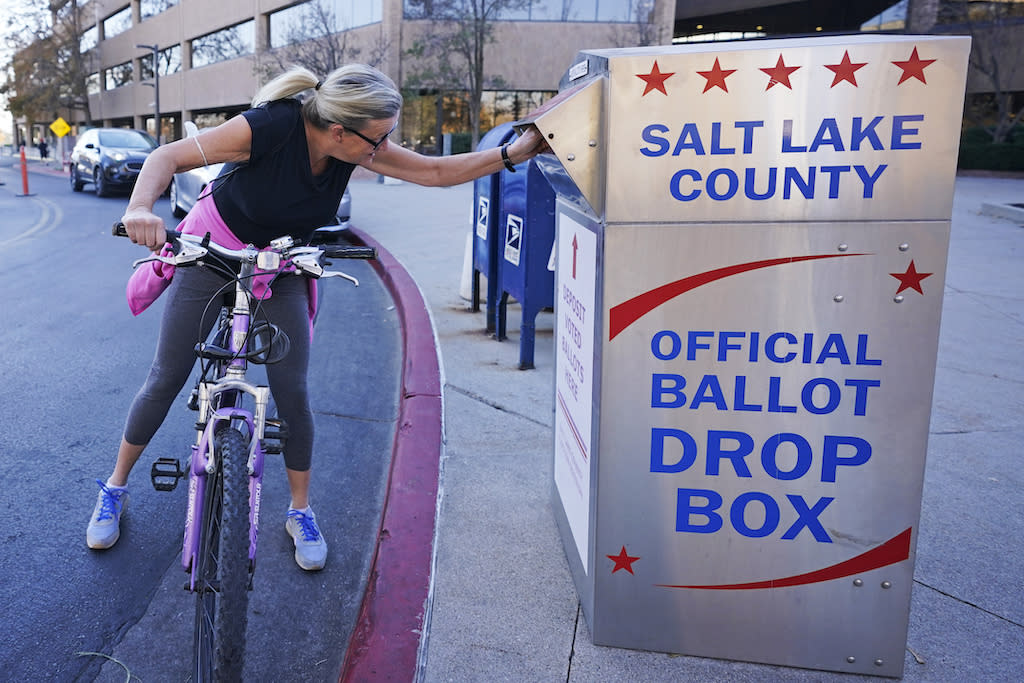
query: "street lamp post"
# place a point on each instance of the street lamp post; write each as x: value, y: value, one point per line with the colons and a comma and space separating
x: 156, y: 87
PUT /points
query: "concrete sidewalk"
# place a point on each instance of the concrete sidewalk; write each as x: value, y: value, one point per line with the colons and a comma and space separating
x: 504, y: 607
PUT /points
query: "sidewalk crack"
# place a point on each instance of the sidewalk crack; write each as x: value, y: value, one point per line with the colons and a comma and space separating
x: 493, y: 404
x: 969, y: 604
x: 572, y: 646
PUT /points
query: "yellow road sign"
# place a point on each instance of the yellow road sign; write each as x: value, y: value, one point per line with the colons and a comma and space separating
x: 60, y: 127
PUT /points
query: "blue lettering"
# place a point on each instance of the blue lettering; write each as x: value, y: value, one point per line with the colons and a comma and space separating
x: 834, y: 348
x: 732, y: 184
x: 660, y: 387
x: 787, y: 139
x: 737, y: 514
x: 831, y: 460
x: 862, y: 352
x: 869, y: 180
x: 807, y: 396
x: 744, y: 447
x: 808, y: 517
x: 831, y: 129
x: 689, y: 138
x: 716, y: 141
x: 685, y: 509
x: 724, y: 346
x: 900, y: 131
x: 792, y: 176
x: 861, y: 387
x: 834, y: 173
x: 770, y: 459
x: 686, y: 458
x: 770, y: 343
x: 709, y: 391
x: 858, y: 134
x: 740, y: 400
x: 748, y: 134
x: 649, y: 136
x: 748, y: 185
x: 773, y: 397
x: 675, y: 345
x: 692, y: 343
x: 677, y: 178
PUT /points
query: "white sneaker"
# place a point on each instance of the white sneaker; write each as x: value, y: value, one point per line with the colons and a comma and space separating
x: 310, y: 546
x: 105, y: 525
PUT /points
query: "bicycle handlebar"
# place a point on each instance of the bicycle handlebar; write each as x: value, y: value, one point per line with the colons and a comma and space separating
x: 282, y: 245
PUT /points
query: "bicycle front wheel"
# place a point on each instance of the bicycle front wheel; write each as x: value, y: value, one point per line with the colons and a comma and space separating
x: 222, y: 582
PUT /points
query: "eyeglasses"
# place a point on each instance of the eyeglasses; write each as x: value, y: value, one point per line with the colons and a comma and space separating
x: 373, y: 143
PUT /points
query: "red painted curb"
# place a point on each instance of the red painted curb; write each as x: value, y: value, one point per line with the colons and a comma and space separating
x: 385, y: 642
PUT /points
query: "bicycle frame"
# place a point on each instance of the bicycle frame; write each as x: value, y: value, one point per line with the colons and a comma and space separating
x: 219, y: 402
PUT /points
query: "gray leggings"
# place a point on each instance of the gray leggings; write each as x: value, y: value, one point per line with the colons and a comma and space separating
x: 187, y: 297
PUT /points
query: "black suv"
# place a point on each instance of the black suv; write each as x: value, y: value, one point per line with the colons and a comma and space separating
x: 110, y: 158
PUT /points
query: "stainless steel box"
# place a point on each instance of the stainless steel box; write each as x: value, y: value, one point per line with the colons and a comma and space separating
x: 751, y: 244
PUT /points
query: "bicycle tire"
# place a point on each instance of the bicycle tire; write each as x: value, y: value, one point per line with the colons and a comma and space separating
x: 222, y: 591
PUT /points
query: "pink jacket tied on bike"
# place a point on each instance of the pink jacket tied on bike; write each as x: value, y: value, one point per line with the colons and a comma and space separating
x: 150, y: 279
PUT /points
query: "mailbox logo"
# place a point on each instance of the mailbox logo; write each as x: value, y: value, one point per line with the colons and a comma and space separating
x: 513, y: 238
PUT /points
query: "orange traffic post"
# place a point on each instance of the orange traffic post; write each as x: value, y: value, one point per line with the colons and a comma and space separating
x: 24, y: 175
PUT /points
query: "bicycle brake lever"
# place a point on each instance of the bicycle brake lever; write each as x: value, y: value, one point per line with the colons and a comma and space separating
x: 188, y: 254
x: 338, y: 273
x: 154, y: 257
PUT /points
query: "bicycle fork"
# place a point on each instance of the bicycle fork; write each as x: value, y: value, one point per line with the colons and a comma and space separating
x: 203, y: 463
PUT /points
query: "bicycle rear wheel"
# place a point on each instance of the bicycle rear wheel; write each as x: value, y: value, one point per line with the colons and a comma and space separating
x: 222, y: 596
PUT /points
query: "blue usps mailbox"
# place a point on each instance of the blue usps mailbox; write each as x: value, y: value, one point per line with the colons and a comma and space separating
x: 526, y: 264
x: 487, y: 201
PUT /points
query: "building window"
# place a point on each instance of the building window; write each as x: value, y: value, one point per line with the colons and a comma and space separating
x: 92, y: 84
x: 117, y: 23
x: 541, y: 10
x: 221, y: 46
x: 424, y: 117
x: 169, y: 61
x: 89, y: 40
x: 151, y: 8
x: 116, y: 76
x: 309, y: 20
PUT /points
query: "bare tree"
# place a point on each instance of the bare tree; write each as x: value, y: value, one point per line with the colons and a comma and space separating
x: 451, y: 56
x: 997, y: 59
x: 642, y: 31
x: 48, y: 72
x: 317, y: 40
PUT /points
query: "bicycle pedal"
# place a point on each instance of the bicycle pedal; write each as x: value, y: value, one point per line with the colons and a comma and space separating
x: 165, y: 474
x: 275, y: 435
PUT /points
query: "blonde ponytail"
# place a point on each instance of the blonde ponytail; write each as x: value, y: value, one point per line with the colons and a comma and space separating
x: 350, y: 95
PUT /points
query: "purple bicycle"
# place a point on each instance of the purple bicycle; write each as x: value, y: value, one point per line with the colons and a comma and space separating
x: 234, y: 433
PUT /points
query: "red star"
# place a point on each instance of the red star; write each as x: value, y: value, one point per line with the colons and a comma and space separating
x: 622, y: 561
x: 779, y: 74
x: 910, y: 279
x: 655, y: 80
x: 716, y: 77
x: 845, y: 70
x: 913, y: 67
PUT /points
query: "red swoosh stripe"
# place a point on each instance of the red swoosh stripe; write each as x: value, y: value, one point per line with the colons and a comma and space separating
x: 892, y: 551
x: 628, y: 312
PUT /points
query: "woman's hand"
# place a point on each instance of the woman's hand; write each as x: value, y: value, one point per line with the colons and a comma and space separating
x: 528, y: 145
x: 146, y: 228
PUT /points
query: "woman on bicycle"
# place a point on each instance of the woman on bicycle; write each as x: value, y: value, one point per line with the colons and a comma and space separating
x: 288, y: 161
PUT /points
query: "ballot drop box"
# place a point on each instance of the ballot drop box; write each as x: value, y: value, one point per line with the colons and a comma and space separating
x: 751, y: 249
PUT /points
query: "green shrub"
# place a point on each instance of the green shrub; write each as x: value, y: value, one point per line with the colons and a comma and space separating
x: 977, y: 151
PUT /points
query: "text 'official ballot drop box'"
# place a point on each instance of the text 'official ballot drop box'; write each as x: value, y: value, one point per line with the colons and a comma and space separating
x: 751, y: 249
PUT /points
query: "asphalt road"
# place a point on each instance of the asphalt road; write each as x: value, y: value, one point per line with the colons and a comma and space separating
x: 73, y: 356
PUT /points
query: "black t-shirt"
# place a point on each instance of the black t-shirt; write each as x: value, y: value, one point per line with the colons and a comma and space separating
x: 275, y: 193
